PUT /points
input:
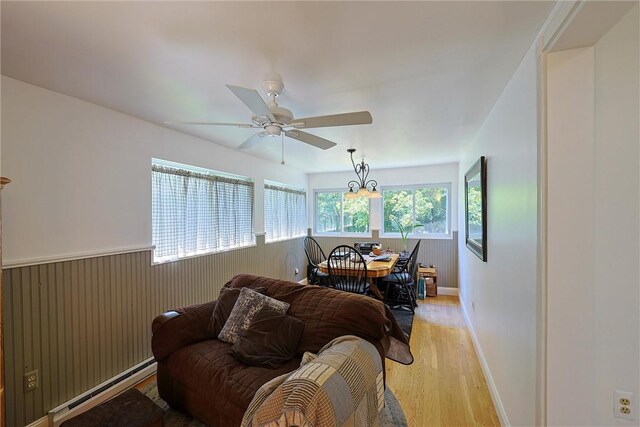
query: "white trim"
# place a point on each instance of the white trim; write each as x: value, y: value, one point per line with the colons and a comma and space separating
x: 349, y: 235
x: 303, y: 281
x: 493, y: 391
x: 236, y: 248
x: 42, y: 422
x: 72, y: 257
x: 443, y: 290
x: 557, y: 22
x: 541, y: 250
x: 417, y: 236
x: 62, y: 413
x: 284, y: 239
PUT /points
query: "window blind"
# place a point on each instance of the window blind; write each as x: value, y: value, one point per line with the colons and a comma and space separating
x: 195, y: 213
x: 285, y: 213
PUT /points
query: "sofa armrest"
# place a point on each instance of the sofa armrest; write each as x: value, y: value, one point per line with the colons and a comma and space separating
x: 179, y: 328
x: 161, y: 319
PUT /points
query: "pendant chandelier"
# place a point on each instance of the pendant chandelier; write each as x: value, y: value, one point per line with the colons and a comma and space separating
x: 362, y: 170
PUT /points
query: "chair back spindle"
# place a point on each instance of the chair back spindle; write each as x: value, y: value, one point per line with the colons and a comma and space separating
x: 348, y: 270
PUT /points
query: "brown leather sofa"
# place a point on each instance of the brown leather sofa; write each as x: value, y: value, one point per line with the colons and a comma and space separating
x: 197, y: 375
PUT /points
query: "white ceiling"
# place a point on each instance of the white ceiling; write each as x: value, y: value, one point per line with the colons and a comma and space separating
x: 429, y: 72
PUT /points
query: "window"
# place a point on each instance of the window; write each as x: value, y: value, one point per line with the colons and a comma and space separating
x: 197, y: 211
x: 285, y: 213
x: 424, y: 204
x: 336, y: 215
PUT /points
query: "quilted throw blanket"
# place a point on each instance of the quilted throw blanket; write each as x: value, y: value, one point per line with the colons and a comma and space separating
x: 341, y: 386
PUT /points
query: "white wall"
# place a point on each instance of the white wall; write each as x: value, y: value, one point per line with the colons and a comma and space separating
x: 432, y: 174
x: 81, y: 174
x: 616, y: 277
x: 594, y: 231
x: 570, y: 100
x: 500, y: 296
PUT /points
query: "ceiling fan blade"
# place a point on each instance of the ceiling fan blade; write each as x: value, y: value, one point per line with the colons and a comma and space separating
x: 307, y: 138
x: 252, y: 99
x: 345, y: 119
x: 253, y: 140
x: 239, y: 125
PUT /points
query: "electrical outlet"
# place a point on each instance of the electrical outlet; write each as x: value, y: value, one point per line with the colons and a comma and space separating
x: 624, y: 405
x: 30, y: 381
x: 297, y: 271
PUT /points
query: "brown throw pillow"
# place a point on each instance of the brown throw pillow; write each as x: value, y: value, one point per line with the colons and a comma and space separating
x: 271, y: 340
x: 249, y: 303
x: 226, y: 300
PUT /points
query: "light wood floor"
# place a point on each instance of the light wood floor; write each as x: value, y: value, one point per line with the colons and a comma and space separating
x: 444, y: 386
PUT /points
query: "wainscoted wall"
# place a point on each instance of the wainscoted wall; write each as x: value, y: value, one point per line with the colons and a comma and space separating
x: 82, y: 322
x: 443, y: 253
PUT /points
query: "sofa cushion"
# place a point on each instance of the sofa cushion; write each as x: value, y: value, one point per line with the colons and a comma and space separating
x: 208, y: 369
x: 271, y: 340
x: 249, y: 303
x: 226, y: 300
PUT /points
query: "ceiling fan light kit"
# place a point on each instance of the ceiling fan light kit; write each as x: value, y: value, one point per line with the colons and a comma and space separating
x: 362, y: 171
x: 275, y: 120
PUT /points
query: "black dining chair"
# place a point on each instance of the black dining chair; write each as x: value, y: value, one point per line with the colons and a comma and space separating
x: 315, y: 256
x: 400, y: 284
x: 348, y: 270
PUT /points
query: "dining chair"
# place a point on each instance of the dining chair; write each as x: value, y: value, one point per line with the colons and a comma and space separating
x: 401, y: 282
x: 315, y: 256
x: 348, y: 270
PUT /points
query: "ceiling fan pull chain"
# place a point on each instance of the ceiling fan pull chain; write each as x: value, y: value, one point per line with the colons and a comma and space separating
x: 282, y: 141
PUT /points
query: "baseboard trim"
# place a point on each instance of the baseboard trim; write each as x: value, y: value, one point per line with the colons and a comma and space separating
x: 62, y: 413
x: 493, y: 391
x: 447, y: 291
x: 303, y: 281
x: 42, y: 422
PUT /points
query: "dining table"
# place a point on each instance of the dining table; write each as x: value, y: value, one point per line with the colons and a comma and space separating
x: 375, y: 270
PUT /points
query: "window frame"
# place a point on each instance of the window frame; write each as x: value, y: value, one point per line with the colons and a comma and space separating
x: 264, y: 210
x: 342, y: 192
x: 204, y: 171
x: 413, y: 188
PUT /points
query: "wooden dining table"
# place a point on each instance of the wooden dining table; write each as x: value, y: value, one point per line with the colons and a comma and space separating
x: 375, y: 269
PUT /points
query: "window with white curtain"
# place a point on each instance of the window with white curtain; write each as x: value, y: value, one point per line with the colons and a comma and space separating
x: 197, y: 211
x: 285, y: 213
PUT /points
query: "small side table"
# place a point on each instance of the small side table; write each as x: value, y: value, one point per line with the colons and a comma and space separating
x: 428, y: 272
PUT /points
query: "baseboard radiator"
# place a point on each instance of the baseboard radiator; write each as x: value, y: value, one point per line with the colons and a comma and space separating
x: 102, y: 392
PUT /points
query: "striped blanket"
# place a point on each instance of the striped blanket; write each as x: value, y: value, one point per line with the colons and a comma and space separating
x: 341, y: 386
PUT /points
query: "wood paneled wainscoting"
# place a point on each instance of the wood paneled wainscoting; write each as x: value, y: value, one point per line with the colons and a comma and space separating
x: 443, y: 253
x: 84, y: 321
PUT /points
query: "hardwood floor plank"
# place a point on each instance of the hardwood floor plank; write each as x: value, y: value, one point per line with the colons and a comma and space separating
x: 445, y: 385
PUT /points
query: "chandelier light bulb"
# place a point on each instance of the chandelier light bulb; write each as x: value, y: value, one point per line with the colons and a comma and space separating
x: 362, y: 171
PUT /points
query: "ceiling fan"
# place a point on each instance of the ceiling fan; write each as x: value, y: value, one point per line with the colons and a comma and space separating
x: 275, y: 120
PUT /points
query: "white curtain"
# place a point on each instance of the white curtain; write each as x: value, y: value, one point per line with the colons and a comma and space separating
x: 285, y: 213
x: 195, y: 213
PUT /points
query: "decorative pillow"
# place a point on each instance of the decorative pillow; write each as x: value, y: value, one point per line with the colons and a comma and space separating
x: 226, y: 300
x: 249, y: 303
x: 271, y: 340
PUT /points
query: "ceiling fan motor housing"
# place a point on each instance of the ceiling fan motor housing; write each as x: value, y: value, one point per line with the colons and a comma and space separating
x: 282, y: 115
x: 272, y: 130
